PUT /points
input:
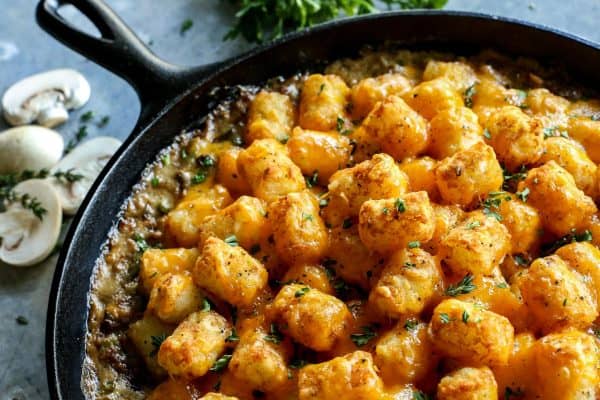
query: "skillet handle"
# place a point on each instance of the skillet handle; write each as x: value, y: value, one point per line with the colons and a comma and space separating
x: 119, y: 50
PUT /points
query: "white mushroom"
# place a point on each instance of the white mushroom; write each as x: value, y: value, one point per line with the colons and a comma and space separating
x: 86, y: 160
x: 27, y: 239
x: 45, y: 97
x: 29, y: 147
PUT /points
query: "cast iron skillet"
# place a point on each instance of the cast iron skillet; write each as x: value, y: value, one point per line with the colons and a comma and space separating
x: 174, y: 97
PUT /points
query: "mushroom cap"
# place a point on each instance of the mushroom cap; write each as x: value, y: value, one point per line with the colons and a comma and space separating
x: 29, y: 147
x: 27, y: 240
x: 87, y: 160
x: 45, y: 97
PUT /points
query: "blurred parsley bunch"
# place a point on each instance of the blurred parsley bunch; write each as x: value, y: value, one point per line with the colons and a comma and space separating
x: 259, y: 20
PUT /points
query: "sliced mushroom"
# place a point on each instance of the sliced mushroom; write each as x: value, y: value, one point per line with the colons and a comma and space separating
x: 29, y: 147
x: 27, y: 239
x: 45, y: 97
x: 86, y: 160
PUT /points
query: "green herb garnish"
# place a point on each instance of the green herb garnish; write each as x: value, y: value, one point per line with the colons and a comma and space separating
x: 361, y: 339
x: 157, y: 341
x: 274, y: 335
x: 301, y: 292
x: 185, y: 26
x: 464, y: 286
x: 411, y: 324
x: 399, y: 205
x: 468, y: 95
x: 312, y: 180
x: 414, y: 244
x: 221, y: 363
x: 231, y: 240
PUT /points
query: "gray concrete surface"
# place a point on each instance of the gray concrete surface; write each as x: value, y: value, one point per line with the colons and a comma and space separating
x: 26, y: 49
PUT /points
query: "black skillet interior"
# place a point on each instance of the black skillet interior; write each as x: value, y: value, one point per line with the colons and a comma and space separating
x: 173, y: 98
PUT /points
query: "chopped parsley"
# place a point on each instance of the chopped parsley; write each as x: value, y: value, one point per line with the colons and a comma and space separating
x: 468, y: 95
x: 157, y: 341
x: 411, y: 324
x: 312, y: 180
x: 414, y: 244
x: 301, y: 292
x: 103, y: 121
x: 511, y: 179
x: 231, y: 240
x: 155, y: 181
x: 274, y: 335
x: 206, y: 161
x: 221, y: 363
x: 87, y: 116
x: 464, y: 286
x: 323, y: 202
x: 141, y: 243
x: 523, y: 195
x: 361, y: 339
x: 165, y: 159
x: 233, y: 337
x: 185, y: 26
x: 555, y: 132
x: 491, y: 205
x: 399, y: 205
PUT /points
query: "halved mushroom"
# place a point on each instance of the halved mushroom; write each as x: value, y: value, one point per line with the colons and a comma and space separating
x: 29, y: 147
x: 26, y: 239
x: 84, y: 163
x: 45, y: 97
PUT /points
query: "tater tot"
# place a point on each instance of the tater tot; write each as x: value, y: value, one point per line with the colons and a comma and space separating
x: 174, y: 297
x: 405, y: 353
x: 567, y: 366
x: 542, y: 101
x: 453, y: 130
x: 430, y: 97
x: 269, y: 171
x: 271, y: 116
x: 562, y: 206
x: 516, y: 137
x: 421, y: 175
x: 522, y: 221
x: 556, y: 296
x: 584, y: 258
x: 228, y: 173
x: 311, y: 317
x: 446, y: 218
x: 298, y: 230
x: 260, y: 361
x: 244, y: 219
x: 195, y: 345
x: 468, y: 384
x: 488, y: 98
x: 377, y: 178
x: 182, y: 222
x: 587, y: 132
x: 518, y: 375
x: 229, y: 272
x: 366, y: 93
x: 352, y: 376
x: 158, y: 262
x: 390, y: 224
x: 322, y: 101
x: 475, y: 246
x: 141, y: 334
x: 398, y: 129
x: 468, y: 175
x: 314, y: 276
x: 572, y: 157
x: 459, y: 74
x: 172, y: 389
x: 471, y: 334
x: 322, y: 153
x: 351, y: 259
x: 407, y: 283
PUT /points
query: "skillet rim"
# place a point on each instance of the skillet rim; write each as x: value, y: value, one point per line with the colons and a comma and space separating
x: 65, y: 261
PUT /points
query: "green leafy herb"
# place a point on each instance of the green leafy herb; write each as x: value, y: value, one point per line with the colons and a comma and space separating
x: 361, y: 339
x: 155, y: 181
x: 141, y: 243
x: 323, y: 202
x: 411, y: 324
x: 185, y: 26
x: 511, y: 179
x: 274, y: 335
x: 414, y: 244
x: 409, y: 265
x: 260, y: 20
x: 33, y: 204
x: 221, y: 363
x: 157, y: 341
x: 340, y: 124
x: 21, y: 320
x: 301, y: 292
x: 312, y: 180
x: 468, y: 95
x: 79, y: 136
x: 473, y: 224
x: 464, y: 286
x: 298, y: 363
x: 87, y: 116
x: 465, y: 316
x: 444, y: 318
x: 67, y: 176
x: 418, y: 395
x: 502, y: 285
x: 165, y: 159
x: 307, y: 217
x: 523, y: 195
x: 491, y: 205
x: 399, y: 205
x: 231, y: 240
x: 487, y: 134
x: 572, y: 237
x: 206, y: 161
x: 385, y: 211
x: 199, y: 178
x: 233, y: 337
x: 555, y: 132
x: 103, y: 121
x: 206, y: 305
